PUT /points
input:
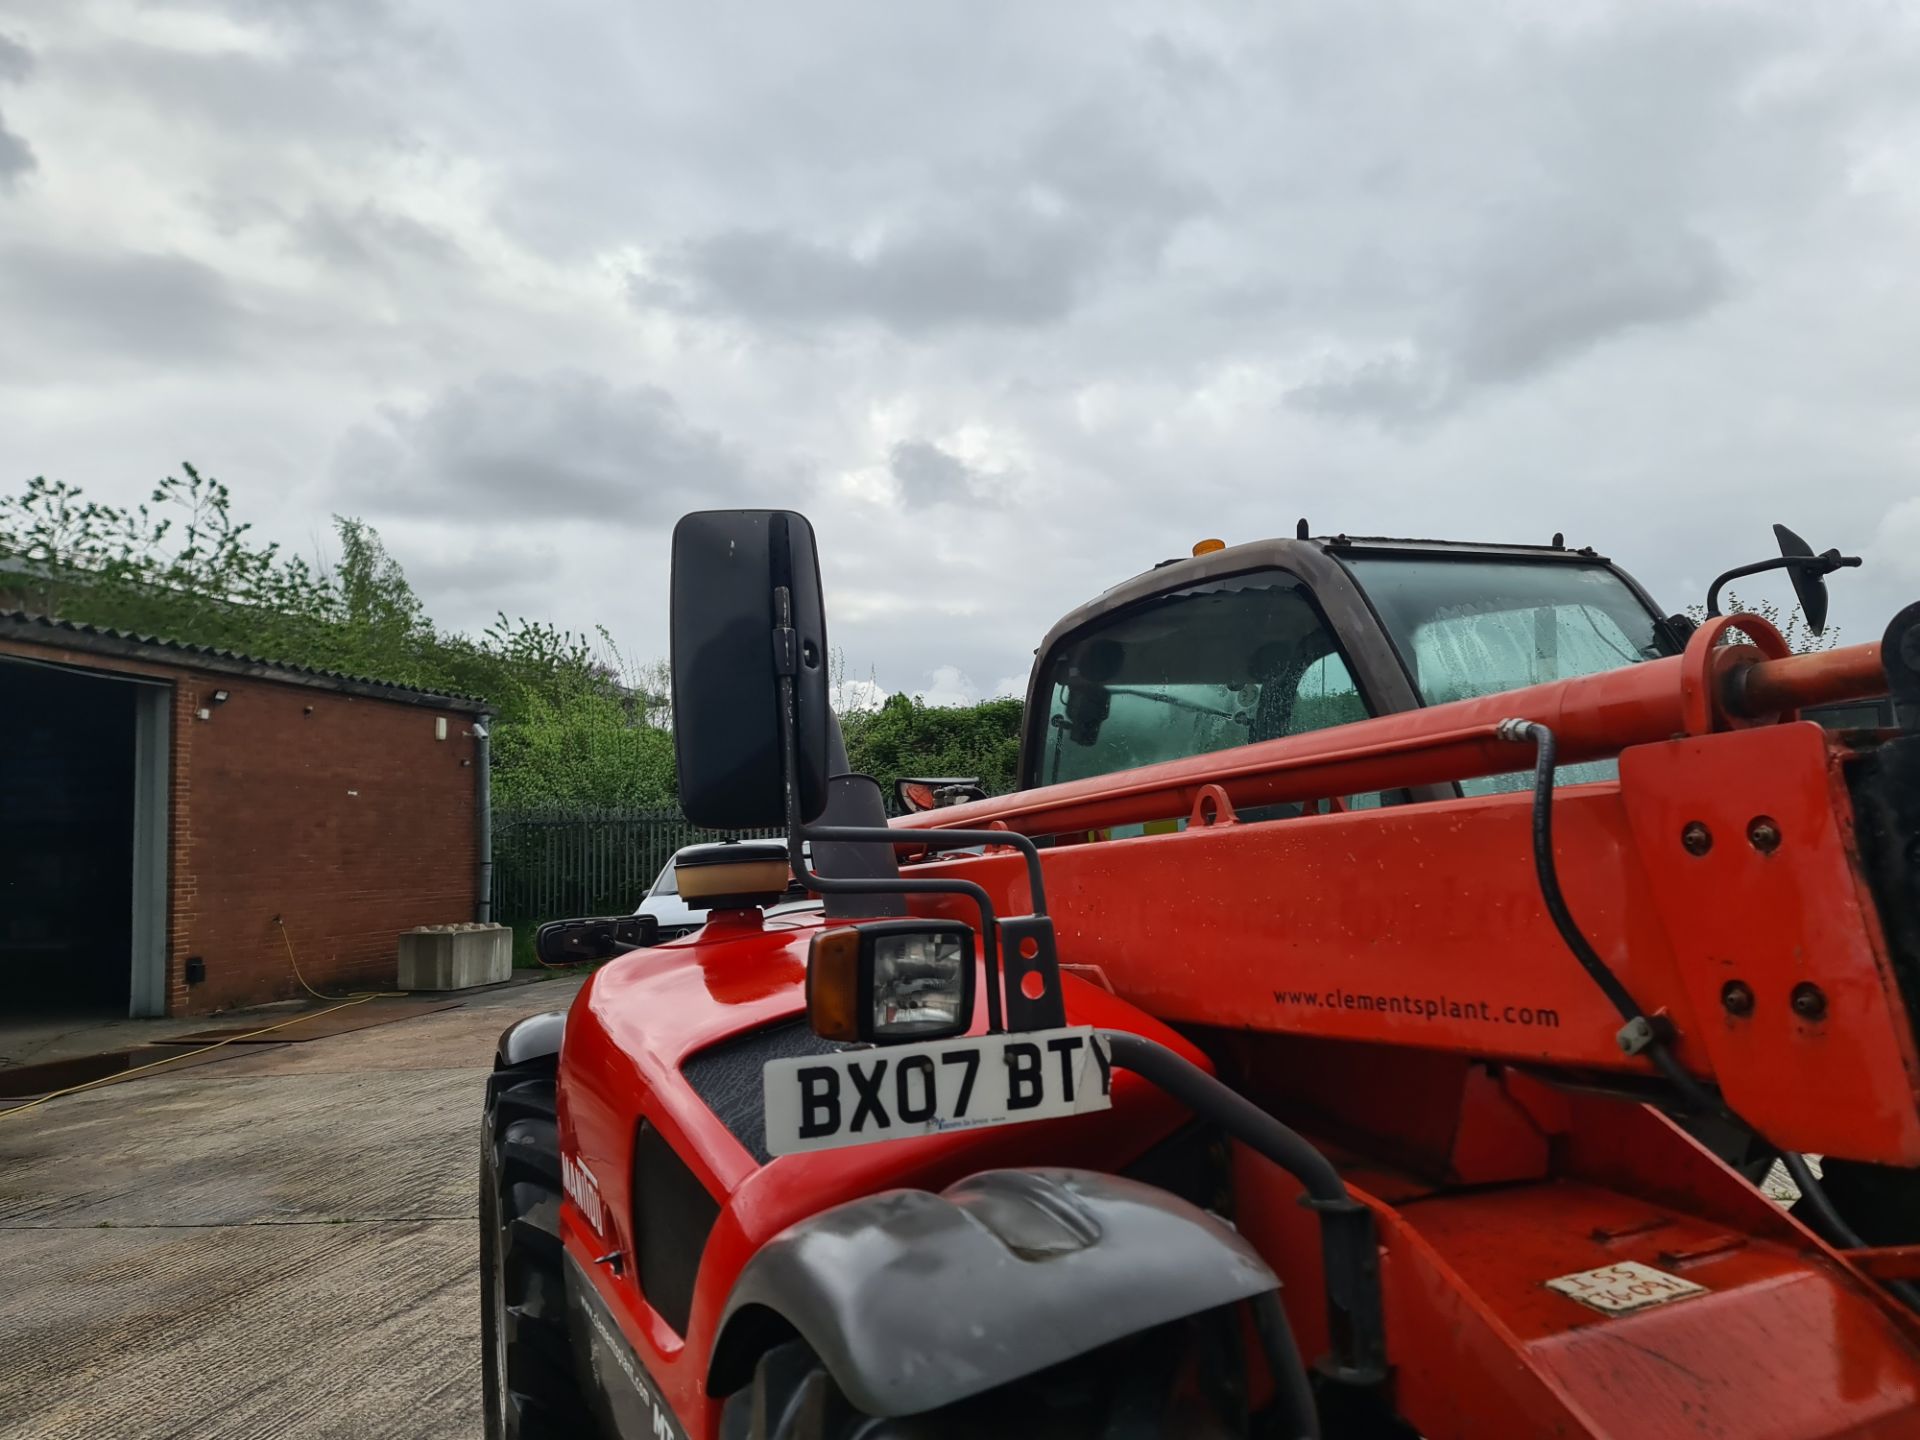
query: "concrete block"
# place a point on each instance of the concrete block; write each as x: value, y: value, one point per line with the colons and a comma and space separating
x: 455, y: 957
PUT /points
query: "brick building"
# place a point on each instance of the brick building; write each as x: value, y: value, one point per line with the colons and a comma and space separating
x: 174, y: 820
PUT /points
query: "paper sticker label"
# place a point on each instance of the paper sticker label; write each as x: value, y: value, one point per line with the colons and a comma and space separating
x: 1626, y: 1287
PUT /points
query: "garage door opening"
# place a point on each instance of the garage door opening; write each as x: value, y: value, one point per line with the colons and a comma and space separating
x: 81, y: 768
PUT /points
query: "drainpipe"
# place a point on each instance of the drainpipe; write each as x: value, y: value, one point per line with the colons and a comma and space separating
x: 483, y: 818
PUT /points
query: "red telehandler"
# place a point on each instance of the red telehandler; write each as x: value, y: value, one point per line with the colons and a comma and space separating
x: 1376, y: 1014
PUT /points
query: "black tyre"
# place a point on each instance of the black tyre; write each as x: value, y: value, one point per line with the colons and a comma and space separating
x: 526, y: 1358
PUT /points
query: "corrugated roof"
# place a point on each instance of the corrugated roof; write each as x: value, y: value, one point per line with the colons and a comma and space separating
x: 34, y: 629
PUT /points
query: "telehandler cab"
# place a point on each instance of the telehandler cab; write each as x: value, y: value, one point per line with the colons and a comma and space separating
x: 1373, y: 1016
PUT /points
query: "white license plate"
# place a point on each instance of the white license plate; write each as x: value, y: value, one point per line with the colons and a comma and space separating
x: 890, y: 1092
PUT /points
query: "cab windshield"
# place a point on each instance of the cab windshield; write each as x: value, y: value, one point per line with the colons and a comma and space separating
x: 1472, y: 627
x: 1212, y: 666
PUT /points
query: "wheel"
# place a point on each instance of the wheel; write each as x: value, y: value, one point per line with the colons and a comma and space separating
x: 1166, y: 1382
x: 526, y: 1358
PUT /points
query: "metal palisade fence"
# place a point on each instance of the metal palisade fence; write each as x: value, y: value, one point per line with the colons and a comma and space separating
x: 551, y: 864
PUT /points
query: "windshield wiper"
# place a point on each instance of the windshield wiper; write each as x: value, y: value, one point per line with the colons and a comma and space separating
x: 1178, y: 703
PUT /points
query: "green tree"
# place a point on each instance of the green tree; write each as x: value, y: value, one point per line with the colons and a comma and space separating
x: 1791, y: 624
x: 908, y: 737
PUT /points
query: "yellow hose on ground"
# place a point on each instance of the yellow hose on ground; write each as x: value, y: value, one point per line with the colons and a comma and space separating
x: 359, y: 998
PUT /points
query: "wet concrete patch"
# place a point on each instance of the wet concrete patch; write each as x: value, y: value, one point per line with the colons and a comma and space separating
x: 20, y: 1083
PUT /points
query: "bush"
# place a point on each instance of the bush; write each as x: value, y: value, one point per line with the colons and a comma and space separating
x: 906, y: 737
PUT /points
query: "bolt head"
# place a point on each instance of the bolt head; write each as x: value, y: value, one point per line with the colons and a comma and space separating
x: 1764, y: 834
x: 1737, y: 997
x: 1696, y: 838
x: 1809, y: 1001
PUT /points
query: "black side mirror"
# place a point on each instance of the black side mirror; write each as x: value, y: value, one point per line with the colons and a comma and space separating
x: 1807, y: 570
x: 747, y: 613
x: 1809, y: 580
x: 580, y: 942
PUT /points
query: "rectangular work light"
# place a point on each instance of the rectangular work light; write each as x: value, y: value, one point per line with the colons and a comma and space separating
x: 892, y: 980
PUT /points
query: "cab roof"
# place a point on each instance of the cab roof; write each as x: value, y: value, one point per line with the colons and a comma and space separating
x: 1256, y: 552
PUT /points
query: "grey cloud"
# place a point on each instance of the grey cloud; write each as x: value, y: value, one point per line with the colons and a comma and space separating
x: 1028, y: 234
x: 1094, y: 157
x: 371, y: 237
x: 342, y: 35
x: 475, y: 573
x: 929, y: 475
x: 550, y: 446
x: 1027, y: 271
x: 289, y: 98
x: 1548, y: 292
x: 1187, y: 71
x: 121, y: 307
x: 305, y: 15
x: 1392, y: 389
x: 16, y: 60
x: 1535, y: 297
x: 16, y: 156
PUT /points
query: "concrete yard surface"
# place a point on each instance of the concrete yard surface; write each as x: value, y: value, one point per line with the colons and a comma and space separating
x: 280, y: 1244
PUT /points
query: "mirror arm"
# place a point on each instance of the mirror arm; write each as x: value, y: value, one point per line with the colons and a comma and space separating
x: 1713, y: 590
x: 1820, y: 565
x: 798, y: 833
x: 944, y: 840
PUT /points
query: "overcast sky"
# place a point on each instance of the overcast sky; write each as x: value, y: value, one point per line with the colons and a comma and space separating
x: 1012, y: 299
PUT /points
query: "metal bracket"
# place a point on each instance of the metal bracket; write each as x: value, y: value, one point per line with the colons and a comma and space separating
x: 1030, y: 962
x: 786, y: 650
x: 1211, y: 807
x: 1643, y: 1031
x: 1635, y: 1036
x: 1700, y: 669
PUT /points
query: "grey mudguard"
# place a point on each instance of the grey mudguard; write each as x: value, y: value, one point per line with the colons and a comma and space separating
x: 534, y: 1038
x: 915, y: 1300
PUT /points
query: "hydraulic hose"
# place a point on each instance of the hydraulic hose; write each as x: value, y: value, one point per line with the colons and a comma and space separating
x: 1832, y: 1223
x: 1349, y: 1248
x: 1549, y: 877
x: 1640, y: 1034
x: 1231, y: 1111
x: 1296, y: 1416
